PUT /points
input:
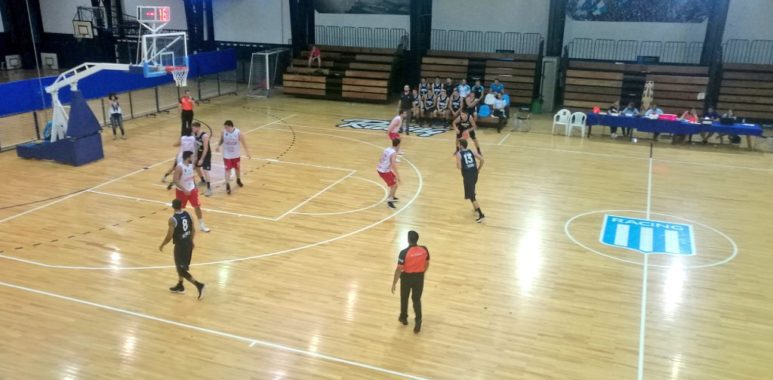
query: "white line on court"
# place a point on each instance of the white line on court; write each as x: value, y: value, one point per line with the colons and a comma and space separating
x: 117, y: 179
x: 504, y: 138
x: 386, y: 194
x: 167, y: 203
x: 645, y: 275
x: 252, y: 341
x: 328, y: 187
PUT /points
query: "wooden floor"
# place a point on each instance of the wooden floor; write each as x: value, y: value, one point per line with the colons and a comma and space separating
x: 299, y: 262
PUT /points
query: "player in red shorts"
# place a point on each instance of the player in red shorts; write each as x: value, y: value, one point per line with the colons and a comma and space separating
x: 232, y: 139
x: 387, y: 170
x: 185, y: 180
x: 393, y: 131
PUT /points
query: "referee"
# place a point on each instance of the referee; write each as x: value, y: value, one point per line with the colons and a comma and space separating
x: 467, y: 161
x: 406, y: 105
x: 181, y: 233
x: 186, y: 113
x: 412, y: 263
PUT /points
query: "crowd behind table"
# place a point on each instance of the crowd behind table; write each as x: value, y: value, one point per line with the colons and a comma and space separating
x: 654, y: 120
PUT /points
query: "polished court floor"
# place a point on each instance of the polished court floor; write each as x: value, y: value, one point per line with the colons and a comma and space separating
x: 298, y: 264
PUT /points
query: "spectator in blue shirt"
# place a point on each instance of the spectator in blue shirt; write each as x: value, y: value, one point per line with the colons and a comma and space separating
x: 653, y: 112
x: 464, y: 88
x: 496, y: 87
x: 711, y: 114
x: 630, y: 110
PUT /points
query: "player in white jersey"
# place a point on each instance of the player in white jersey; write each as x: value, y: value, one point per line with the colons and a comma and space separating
x: 230, y: 139
x: 185, y: 180
x: 387, y: 170
x: 393, y: 131
x: 186, y: 143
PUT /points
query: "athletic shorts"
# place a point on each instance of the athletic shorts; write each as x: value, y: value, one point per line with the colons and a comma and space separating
x: 193, y: 197
x: 393, y: 135
x: 207, y: 164
x: 461, y: 133
x: 431, y: 109
x: 232, y: 163
x: 183, y: 252
x: 389, y: 178
x: 470, y: 179
x: 471, y: 110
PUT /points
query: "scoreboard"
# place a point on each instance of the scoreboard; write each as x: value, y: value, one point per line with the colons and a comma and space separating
x: 146, y: 13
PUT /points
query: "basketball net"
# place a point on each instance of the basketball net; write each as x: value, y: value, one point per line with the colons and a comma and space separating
x: 180, y: 75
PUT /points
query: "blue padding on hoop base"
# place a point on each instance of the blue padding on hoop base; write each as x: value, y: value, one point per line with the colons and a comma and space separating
x: 82, y: 121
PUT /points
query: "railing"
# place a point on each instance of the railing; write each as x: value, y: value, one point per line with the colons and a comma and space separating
x: 629, y: 50
x: 359, y: 36
x: 485, y: 42
x: 758, y: 52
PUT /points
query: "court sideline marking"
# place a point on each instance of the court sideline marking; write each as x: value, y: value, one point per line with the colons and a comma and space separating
x: 118, y: 178
x: 645, y: 275
x: 251, y: 341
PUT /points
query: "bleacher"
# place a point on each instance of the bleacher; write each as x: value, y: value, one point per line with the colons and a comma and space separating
x: 348, y: 73
x: 747, y: 90
x: 593, y: 83
x: 515, y: 71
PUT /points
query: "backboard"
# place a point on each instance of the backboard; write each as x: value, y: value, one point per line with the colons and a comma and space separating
x: 162, y: 53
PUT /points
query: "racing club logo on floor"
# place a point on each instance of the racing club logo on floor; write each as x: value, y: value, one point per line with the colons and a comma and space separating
x: 382, y: 125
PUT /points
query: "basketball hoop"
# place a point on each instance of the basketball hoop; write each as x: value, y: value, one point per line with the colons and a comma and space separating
x: 180, y: 74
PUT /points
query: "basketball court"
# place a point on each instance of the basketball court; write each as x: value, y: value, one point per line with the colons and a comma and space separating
x: 298, y: 263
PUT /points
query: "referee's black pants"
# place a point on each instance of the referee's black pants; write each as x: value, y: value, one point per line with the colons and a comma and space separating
x: 187, y: 119
x: 411, y: 284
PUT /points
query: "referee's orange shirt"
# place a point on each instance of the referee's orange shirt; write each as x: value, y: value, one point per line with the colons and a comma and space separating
x: 414, y: 259
x: 186, y: 103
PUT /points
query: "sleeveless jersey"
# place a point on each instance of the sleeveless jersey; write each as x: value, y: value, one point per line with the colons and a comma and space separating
x: 478, y: 91
x: 231, y: 144
x: 188, y: 144
x: 436, y: 87
x: 464, y: 123
x: 187, y: 179
x: 429, y: 101
x: 442, y: 103
x: 416, y: 101
x: 456, y: 103
x: 385, y: 165
x: 423, y: 89
x: 469, y: 164
x: 396, y: 122
x: 200, y: 145
x: 182, y: 227
x: 115, y: 108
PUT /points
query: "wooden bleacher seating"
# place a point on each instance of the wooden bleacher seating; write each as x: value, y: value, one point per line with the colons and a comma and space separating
x: 747, y: 90
x: 515, y: 71
x: 592, y: 83
x: 348, y: 73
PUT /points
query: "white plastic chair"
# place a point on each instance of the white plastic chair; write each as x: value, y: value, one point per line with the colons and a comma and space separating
x: 561, y: 117
x: 577, y: 120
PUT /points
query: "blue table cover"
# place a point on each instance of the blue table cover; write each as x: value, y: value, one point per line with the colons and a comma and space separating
x: 679, y: 127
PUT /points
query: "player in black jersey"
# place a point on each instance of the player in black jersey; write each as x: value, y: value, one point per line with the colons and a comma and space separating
x: 181, y: 233
x: 423, y: 87
x: 428, y: 107
x: 465, y: 123
x: 470, y: 105
x: 443, y: 103
x: 449, y: 85
x: 204, y: 155
x: 456, y: 105
x: 437, y: 86
x: 471, y: 164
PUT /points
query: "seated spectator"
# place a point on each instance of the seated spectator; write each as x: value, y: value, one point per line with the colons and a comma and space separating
x: 690, y: 116
x: 497, y: 87
x: 653, y: 112
x: 429, y: 107
x: 614, y: 110
x: 499, y: 112
x: 456, y: 105
x: 464, y: 88
x: 711, y: 114
x: 443, y: 106
x: 416, y: 105
x: 315, y: 55
x: 729, y: 115
x: 630, y: 110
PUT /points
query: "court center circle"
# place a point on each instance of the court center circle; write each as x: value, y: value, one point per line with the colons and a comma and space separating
x: 571, y: 237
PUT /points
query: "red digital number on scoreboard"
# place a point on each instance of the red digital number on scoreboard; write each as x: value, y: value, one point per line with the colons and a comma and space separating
x: 163, y: 14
